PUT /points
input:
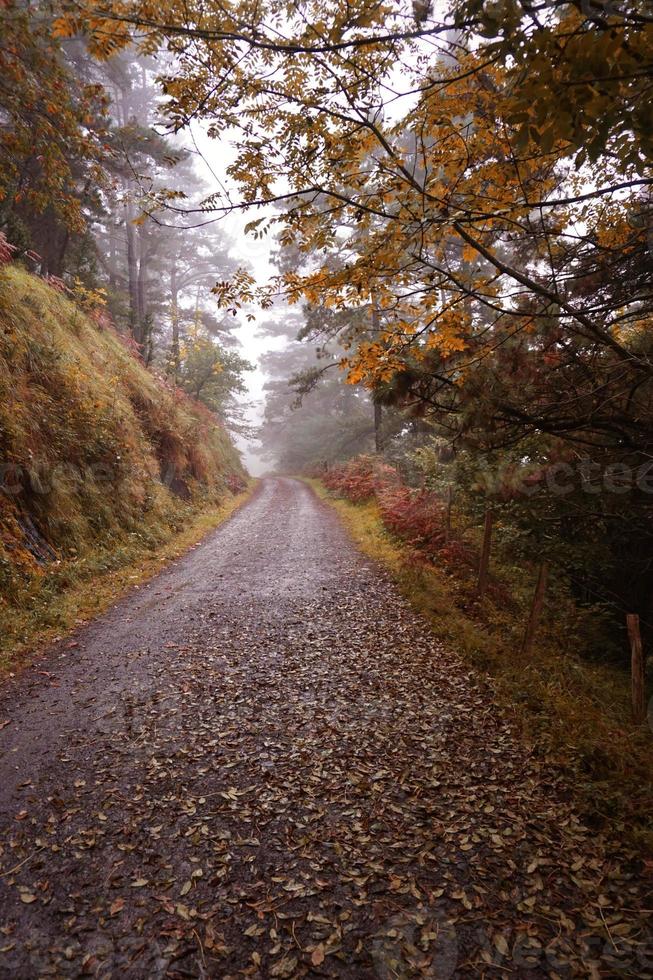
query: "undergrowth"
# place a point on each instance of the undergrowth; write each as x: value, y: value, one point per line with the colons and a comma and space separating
x: 573, y: 712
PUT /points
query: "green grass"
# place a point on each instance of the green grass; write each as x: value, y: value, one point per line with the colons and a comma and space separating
x: 573, y: 713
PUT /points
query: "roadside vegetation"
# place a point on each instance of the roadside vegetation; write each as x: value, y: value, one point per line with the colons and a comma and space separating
x: 106, y: 468
x: 572, y: 704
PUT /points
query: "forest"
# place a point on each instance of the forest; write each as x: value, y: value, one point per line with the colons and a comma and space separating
x: 83, y: 152
x: 399, y: 255
x: 459, y: 219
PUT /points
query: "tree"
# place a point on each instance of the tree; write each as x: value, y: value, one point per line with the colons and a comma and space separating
x: 144, y: 162
x: 53, y: 155
x: 214, y: 375
x: 582, y: 72
x: 312, y: 417
x: 190, y: 260
x: 459, y: 217
x: 159, y: 270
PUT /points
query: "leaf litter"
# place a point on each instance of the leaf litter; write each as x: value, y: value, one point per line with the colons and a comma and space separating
x: 302, y: 782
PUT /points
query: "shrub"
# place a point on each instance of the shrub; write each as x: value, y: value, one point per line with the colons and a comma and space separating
x: 418, y: 517
x: 360, y: 478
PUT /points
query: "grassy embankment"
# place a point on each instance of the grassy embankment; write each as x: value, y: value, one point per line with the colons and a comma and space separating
x: 106, y: 472
x: 575, y: 713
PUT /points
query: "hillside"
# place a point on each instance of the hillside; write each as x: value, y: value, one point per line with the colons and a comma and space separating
x: 101, y: 461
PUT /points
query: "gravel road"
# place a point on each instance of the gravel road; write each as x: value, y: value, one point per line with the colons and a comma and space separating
x: 263, y: 764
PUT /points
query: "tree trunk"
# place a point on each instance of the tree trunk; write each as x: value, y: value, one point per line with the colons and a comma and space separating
x: 148, y: 346
x: 174, y: 314
x: 447, y: 530
x: 485, y: 553
x: 135, y: 324
x: 637, y: 667
x: 536, y: 609
x: 63, y: 248
x: 142, y: 271
x: 378, y: 435
x: 112, y: 254
x: 378, y: 411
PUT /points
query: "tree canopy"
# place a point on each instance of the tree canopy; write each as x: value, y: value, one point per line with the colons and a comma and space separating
x: 480, y: 179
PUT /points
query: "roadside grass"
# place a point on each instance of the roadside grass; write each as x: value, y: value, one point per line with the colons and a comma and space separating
x: 76, y: 590
x: 573, y: 713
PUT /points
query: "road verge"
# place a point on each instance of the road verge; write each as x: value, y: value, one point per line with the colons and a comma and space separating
x: 572, y: 714
x: 75, y: 592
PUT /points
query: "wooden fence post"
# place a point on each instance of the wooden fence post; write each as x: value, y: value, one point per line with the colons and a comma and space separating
x: 536, y: 609
x: 447, y: 534
x: 636, y: 668
x: 485, y: 553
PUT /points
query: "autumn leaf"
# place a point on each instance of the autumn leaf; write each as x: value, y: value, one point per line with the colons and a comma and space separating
x: 317, y: 956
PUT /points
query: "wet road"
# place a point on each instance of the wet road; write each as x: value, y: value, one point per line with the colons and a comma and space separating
x: 263, y: 764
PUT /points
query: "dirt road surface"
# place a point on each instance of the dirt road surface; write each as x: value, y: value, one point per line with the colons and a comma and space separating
x: 263, y: 764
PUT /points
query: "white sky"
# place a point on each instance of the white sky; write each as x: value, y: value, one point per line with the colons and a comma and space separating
x: 255, y: 254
